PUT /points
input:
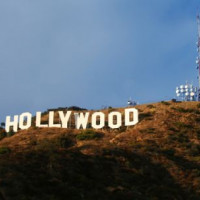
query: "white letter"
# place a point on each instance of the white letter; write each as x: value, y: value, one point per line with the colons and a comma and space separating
x: 127, y: 116
x: 25, y: 117
x: 81, y: 120
x: 38, y: 120
x: 94, y: 120
x: 64, y: 118
x: 111, y: 121
x: 51, y: 120
x: 14, y: 123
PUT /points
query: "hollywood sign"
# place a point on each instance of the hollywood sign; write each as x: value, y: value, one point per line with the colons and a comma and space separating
x: 24, y: 121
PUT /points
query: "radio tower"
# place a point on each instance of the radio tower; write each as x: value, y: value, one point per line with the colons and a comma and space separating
x: 198, y: 57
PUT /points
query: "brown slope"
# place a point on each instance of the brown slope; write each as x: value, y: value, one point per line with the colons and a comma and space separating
x: 159, y: 158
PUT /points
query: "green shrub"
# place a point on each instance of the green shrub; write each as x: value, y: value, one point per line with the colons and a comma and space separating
x: 165, y: 103
x: 33, y: 141
x: 64, y: 141
x: 135, y: 145
x: 46, y: 145
x: 2, y: 135
x: 196, y: 172
x: 147, y: 116
x: 111, y: 109
x: 88, y: 135
x: 198, y: 133
x: 89, y: 125
x: 178, y: 137
x: 9, y: 134
x: 195, y: 150
x: 122, y: 129
x: 150, y: 106
x: 4, y: 150
x: 148, y: 130
x: 197, y: 112
x: 151, y: 130
x: 150, y: 146
x: 181, y: 125
x: 168, y: 152
x: 197, y: 119
x: 172, y: 129
x: 185, y: 110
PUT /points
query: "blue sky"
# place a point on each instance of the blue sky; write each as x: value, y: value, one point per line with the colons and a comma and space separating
x: 94, y: 53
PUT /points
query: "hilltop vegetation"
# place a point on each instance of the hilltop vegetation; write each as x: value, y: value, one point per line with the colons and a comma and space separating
x: 159, y: 158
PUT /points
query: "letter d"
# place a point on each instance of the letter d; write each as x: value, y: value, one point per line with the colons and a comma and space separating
x: 135, y: 120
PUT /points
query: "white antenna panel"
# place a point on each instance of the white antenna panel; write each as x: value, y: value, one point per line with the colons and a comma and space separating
x: 192, y: 94
x: 182, y: 90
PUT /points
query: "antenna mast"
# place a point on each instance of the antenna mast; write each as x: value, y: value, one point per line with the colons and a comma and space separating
x: 198, y: 57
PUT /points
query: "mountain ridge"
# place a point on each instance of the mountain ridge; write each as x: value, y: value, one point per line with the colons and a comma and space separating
x: 159, y: 158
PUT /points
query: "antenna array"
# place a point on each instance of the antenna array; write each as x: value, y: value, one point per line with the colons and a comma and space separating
x: 186, y: 92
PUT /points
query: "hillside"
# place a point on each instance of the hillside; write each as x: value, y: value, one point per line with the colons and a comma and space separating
x: 159, y: 158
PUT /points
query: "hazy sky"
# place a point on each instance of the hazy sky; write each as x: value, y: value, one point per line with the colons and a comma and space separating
x: 94, y: 53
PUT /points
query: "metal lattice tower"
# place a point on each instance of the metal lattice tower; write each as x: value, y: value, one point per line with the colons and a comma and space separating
x: 198, y: 57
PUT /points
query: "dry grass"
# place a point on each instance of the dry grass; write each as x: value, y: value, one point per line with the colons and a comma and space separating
x: 156, y: 159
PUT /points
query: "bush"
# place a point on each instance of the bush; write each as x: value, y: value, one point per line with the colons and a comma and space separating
x: 122, y: 129
x: 9, y: 134
x: 150, y: 146
x: 4, y: 150
x: 151, y: 130
x: 172, y: 129
x: 184, y: 110
x: 173, y: 100
x: 46, y: 145
x: 196, y: 172
x: 148, y: 130
x: 111, y: 109
x: 198, y: 133
x: 195, y: 150
x: 64, y: 141
x: 181, y: 125
x: 33, y: 141
x: 88, y: 135
x: 178, y: 137
x: 76, y: 108
x: 197, y: 112
x: 150, y: 106
x: 165, y: 103
x: 147, y: 116
x: 168, y: 152
x: 2, y: 135
x: 197, y: 119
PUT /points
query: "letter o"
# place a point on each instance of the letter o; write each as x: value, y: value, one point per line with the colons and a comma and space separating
x: 22, y: 118
x: 111, y: 120
x: 94, y: 120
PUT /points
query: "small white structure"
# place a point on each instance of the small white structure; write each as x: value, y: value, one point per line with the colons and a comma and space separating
x: 131, y: 102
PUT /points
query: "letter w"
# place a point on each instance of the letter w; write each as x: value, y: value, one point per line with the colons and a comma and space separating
x: 81, y: 120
